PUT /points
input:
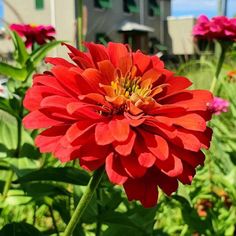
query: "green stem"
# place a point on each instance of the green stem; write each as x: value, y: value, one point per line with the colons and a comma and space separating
x: 7, y: 184
x: 84, y: 201
x: 220, y: 61
x: 213, y: 84
x: 218, y: 67
x: 53, y: 220
x: 19, y: 135
x: 80, y: 24
x: 34, y: 217
x: 99, y: 211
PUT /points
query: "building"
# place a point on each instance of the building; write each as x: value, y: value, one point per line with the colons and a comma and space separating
x: 141, y: 23
x: 180, y: 35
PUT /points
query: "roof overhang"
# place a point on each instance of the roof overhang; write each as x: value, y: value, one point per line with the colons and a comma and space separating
x: 128, y: 26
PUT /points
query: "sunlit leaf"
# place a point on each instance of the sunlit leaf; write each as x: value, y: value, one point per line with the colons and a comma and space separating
x: 13, y: 72
x: 21, y: 52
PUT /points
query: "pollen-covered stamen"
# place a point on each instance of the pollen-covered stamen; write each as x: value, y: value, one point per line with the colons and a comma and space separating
x: 133, y: 90
x: 126, y: 86
x: 130, y: 86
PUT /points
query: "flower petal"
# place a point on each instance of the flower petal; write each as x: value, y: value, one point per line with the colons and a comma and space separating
x: 125, y: 148
x: 107, y: 70
x: 143, y: 189
x: 146, y: 159
x: 172, y: 166
x: 37, y: 120
x: 119, y: 129
x: 97, y: 51
x: 132, y: 166
x: 103, y: 135
x: 119, y: 56
x: 115, y: 170
x: 156, y: 145
x: 49, y: 138
x: 142, y: 61
x: 57, y: 61
x: 78, y: 129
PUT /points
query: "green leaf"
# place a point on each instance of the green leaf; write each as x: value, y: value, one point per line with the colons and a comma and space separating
x: 8, y: 131
x: 22, y: 166
x: 143, y: 217
x: 62, y: 206
x: 44, y: 189
x: 21, y: 52
x: 117, y: 230
x: 38, y: 55
x: 30, y: 151
x: 66, y: 174
x: 15, y: 197
x: 19, y: 229
x: 5, y: 105
x: 118, y: 218
x: 182, y: 191
x: 13, y: 72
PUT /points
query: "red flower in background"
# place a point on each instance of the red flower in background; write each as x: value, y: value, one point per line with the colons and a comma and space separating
x: 39, y: 34
x: 219, y: 27
x: 123, y: 110
x: 231, y: 76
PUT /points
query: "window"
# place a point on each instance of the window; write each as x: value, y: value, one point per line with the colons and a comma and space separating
x: 102, y: 38
x: 103, y: 4
x: 39, y: 4
x: 130, y: 6
x: 153, y: 8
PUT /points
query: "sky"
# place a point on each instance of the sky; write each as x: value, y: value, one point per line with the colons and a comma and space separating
x: 198, y: 7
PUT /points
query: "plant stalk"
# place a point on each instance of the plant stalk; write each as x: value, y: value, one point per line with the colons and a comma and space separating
x: 79, y: 16
x: 99, y: 211
x: 219, y: 65
x: 218, y: 69
x: 53, y: 220
x: 84, y: 201
x: 7, y: 184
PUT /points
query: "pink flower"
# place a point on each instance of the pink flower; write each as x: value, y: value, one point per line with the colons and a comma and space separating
x: 219, y: 27
x: 39, y: 34
x: 1, y: 89
x: 218, y: 105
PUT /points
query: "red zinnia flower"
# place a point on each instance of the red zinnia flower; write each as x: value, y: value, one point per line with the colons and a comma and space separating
x: 34, y: 33
x: 123, y: 110
x: 219, y: 27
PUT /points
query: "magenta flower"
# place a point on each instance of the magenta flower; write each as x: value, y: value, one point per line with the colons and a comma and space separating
x: 219, y: 27
x: 1, y: 89
x: 218, y: 105
x: 39, y: 34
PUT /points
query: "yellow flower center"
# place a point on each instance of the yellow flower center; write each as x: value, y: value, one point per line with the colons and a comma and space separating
x: 130, y: 88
